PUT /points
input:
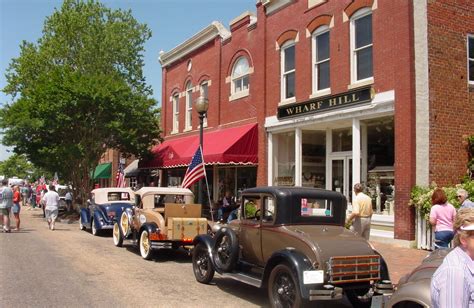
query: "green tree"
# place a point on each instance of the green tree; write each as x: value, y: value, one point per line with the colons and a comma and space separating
x: 19, y: 166
x: 80, y: 90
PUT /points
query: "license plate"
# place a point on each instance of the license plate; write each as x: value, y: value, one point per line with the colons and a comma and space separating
x: 111, y: 214
x: 310, y: 277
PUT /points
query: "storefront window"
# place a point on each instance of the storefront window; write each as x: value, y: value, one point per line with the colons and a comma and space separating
x: 314, y: 158
x: 342, y: 140
x: 235, y: 180
x: 284, y: 158
x: 380, y: 161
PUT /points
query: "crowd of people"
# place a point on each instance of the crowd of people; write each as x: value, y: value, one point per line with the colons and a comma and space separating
x: 452, y: 284
x: 15, y: 197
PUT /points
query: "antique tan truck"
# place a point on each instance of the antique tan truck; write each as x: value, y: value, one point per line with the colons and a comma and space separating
x: 162, y: 218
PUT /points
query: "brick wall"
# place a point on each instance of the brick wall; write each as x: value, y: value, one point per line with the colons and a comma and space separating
x: 451, y: 99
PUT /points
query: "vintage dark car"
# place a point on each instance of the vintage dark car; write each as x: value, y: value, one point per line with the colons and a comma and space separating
x: 292, y: 241
x: 413, y: 289
x: 104, y: 207
x: 162, y: 218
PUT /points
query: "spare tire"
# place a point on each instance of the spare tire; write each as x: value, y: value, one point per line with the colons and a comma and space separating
x: 226, y: 249
x: 125, y: 224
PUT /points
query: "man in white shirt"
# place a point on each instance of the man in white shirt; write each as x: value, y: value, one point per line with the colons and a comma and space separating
x: 51, y: 202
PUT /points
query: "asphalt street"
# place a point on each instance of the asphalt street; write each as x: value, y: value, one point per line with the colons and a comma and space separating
x: 71, y: 268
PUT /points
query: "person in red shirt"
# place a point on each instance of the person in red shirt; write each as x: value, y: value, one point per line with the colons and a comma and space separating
x: 16, y: 206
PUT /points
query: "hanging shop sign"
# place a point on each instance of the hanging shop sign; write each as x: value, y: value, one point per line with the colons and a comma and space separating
x: 325, y: 103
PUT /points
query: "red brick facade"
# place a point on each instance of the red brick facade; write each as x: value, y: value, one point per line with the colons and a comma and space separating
x: 451, y: 98
x: 451, y: 104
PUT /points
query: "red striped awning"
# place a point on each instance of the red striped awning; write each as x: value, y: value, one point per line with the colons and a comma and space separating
x: 236, y: 145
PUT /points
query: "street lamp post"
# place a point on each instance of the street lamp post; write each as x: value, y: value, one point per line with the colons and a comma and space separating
x: 202, y: 105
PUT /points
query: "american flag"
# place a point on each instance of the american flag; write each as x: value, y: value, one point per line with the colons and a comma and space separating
x: 196, y: 170
x: 120, y: 178
x: 55, y: 179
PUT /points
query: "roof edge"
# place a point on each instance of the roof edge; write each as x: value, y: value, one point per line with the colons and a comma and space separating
x: 199, y: 39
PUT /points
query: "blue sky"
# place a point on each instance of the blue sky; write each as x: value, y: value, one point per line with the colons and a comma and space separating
x: 171, y: 21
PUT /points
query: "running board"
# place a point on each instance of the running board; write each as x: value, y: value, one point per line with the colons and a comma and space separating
x: 243, y: 278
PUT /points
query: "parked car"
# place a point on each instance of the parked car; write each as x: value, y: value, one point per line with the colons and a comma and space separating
x: 413, y: 289
x: 162, y: 218
x: 292, y: 241
x: 104, y: 207
x: 62, y: 190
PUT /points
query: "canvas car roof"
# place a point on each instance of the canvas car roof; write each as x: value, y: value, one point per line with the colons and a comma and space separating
x: 144, y: 191
x: 100, y: 194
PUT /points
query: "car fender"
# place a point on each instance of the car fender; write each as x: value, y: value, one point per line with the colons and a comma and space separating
x: 413, y: 292
x: 209, y: 242
x: 97, y: 216
x: 85, y: 216
x: 149, y: 227
x: 295, y: 260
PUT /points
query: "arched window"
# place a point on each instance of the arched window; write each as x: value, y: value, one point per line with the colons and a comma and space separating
x: 321, y: 57
x: 175, y: 102
x: 189, y: 106
x: 240, y: 76
x: 288, y: 71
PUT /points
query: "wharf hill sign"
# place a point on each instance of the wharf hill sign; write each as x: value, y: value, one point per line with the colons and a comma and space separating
x: 326, y: 103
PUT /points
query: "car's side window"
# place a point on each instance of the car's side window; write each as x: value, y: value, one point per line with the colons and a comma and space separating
x: 251, y: 208
x: 269, y: 206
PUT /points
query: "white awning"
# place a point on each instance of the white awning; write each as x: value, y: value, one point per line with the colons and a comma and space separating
x: 132, y: 169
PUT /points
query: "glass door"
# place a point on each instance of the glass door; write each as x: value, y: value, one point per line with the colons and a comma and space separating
x: 341, y: 175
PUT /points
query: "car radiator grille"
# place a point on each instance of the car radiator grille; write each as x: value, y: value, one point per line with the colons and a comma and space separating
x: 349, y: 269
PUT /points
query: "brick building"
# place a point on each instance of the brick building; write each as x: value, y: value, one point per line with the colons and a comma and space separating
x: 326, y: 94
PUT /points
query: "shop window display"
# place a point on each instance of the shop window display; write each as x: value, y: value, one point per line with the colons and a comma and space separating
x: 284, y: 155
x: 314, y: 159
x: 380, y: 164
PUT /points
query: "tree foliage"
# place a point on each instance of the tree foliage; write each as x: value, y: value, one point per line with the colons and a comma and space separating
x: 79, y: 91
x: 19, y: 166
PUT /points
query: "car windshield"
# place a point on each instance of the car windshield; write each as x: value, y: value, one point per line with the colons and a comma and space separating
x: 62, y: 192
x: 118, y: 196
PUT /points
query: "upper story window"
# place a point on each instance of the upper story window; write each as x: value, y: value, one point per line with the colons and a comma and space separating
x: 470, y: 58
x: 321, y: 74
x: 361, y: 45
x: 175, y: 113
x: 189, y: 106
x: 288, y: 70
x: 240, y: 76
x: 203, y: 89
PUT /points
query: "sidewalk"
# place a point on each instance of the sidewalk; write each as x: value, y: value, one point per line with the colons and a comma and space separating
x: 400, y: 260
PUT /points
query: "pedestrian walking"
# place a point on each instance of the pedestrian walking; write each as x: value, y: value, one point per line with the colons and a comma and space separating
x: 6, y: 205
x: 16, y: 206
x: 442, y: 216
x: 361, y: 212
x: 50, y: 203
x: 452, y: 284
x: 462, y: 195
x: 68, y: 199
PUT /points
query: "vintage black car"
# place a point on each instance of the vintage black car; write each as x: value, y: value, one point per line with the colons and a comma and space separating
x: 293, y: 242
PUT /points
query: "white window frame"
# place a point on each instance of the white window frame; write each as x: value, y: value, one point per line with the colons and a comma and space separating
x: 283, y: 74
x: 318, y: 92
x: 469, y: 36
x: 239, y: 78
x: 359, y: 14
x: 189, y: 107
x: 175, y: 102
x: 206, y: 95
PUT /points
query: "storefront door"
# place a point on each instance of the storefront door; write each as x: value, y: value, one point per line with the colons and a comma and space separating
x: 341, y: 174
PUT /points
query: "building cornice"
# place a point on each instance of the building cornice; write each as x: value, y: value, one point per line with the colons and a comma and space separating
x: 199, y: 39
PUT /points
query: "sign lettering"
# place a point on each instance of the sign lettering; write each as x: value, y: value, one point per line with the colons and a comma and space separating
x: 358, y: 96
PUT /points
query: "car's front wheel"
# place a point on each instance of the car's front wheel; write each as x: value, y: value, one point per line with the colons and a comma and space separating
x: 283, y: 290
x: 202, y: 265
x: 145, y: 245
x: 117, y: 235
x: 81, y: 225
x: 95, y: 231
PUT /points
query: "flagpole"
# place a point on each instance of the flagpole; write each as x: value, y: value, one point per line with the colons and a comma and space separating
x: 207, y: 185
